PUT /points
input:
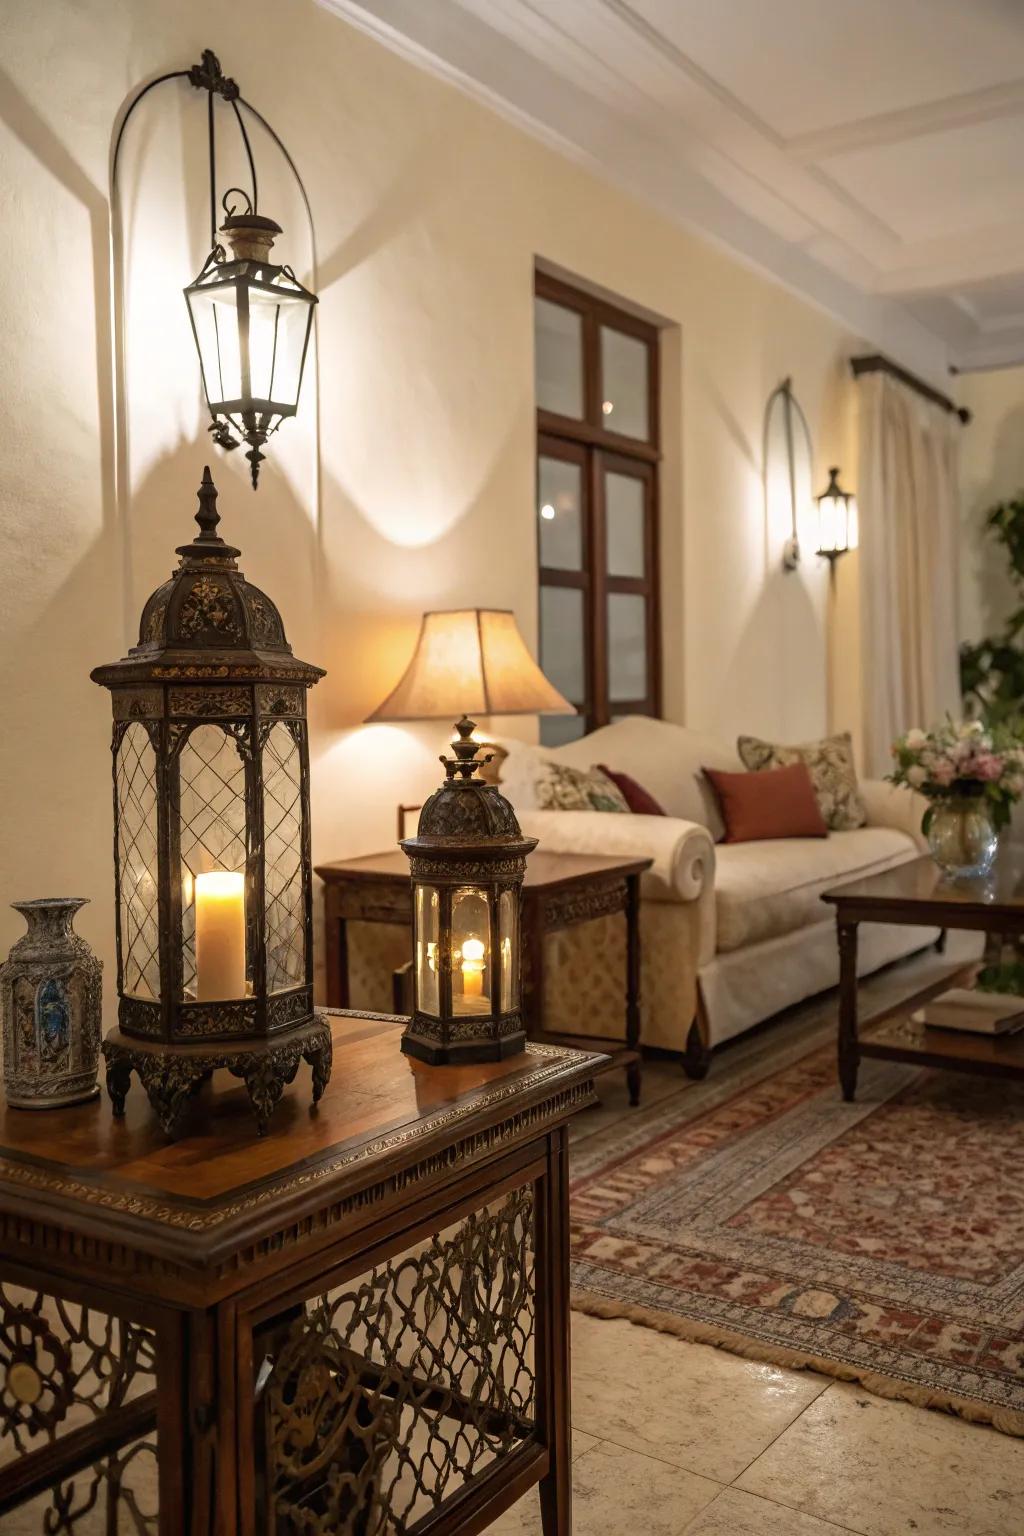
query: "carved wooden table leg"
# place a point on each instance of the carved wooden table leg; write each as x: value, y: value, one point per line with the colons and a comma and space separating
x: 849, y: 1051
x: 633, y: 1070
x: 553, y: 1341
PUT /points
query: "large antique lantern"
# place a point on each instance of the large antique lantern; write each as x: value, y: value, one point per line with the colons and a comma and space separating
x: 251, y: 318
x: 212, y: 842
x: 468, y: 862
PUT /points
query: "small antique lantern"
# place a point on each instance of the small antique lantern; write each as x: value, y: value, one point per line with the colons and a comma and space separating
x: 468, y: 862
x: 251, y: 320
x: 212, y: 844
x: 837, y: 520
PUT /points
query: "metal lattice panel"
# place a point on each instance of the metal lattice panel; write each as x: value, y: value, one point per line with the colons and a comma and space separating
x: 387, y: 1394
x: 137, y: 863
x: 212, y: 822
x: 118, y: 1495
x: 282, y: 843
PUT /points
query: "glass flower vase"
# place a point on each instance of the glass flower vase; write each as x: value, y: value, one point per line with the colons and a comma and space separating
x: 961, y: 836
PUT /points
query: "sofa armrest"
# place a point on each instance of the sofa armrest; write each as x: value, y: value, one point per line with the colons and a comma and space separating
x: 683, y: 853
x: 893, y: 805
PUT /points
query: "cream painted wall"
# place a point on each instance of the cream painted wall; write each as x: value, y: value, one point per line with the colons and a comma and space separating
x: 991, y: 469
x: 429, y: 215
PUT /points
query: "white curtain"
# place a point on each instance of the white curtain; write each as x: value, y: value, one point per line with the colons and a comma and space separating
x: 908, y: 504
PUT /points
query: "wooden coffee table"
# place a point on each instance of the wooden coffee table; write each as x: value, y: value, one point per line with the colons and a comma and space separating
x: 917, y: 894
x: 560, y: 890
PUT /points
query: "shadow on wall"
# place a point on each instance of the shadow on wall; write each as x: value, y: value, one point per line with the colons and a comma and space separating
x: 999, y: 597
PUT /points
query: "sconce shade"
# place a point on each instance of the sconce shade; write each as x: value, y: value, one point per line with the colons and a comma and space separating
x: 837, y: 519
x: 472, y: 661
x: 251, y: 321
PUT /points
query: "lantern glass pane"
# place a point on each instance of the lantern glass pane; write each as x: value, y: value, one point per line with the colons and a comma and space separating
x: 471, y: 951
x: 284, y: 897
x: 831, y: 523
x: 278, y: 321
x: 427, y: 922
x: 214, y: 841
x: 508, y: 931
x: 137, y: 864
x: 215, y: 316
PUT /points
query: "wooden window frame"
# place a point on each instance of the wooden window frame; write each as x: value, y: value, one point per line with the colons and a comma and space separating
x: 598, y: 450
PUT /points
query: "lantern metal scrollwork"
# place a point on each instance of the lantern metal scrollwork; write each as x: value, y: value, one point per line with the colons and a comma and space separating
x: 468, y: 862
x: 212, y: 843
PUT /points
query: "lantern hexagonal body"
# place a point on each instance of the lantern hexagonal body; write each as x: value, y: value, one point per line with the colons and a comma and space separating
x: 468, y: 861
x: 251, y: 320
x: 837, y: 520
x: 212, y: 845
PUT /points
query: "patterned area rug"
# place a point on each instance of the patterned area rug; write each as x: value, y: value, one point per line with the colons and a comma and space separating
x: 881, y: 1241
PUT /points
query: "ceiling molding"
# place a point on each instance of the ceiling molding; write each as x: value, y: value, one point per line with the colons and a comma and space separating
x: 600, y: 83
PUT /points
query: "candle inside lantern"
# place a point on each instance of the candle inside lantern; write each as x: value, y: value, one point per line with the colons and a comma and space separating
x: 220, y: 935
x: 473, y: 968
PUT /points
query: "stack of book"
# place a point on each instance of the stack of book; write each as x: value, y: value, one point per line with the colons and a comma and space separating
x: 976, y: 1013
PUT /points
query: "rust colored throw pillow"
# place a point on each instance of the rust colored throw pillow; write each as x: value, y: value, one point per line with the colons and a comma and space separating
x: 778, y: 802
x: 636, y: 797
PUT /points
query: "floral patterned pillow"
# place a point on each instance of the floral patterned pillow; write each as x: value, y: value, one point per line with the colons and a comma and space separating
x: 833, y: 774
x: 561, y: 788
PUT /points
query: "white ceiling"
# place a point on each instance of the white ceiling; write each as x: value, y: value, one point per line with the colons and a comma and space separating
x: 869, y: 153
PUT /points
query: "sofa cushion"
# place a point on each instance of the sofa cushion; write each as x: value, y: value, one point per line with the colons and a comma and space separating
x: 832, y: 771
x: 666, y: 759
x: 762, y: 806
x: 770, y: 888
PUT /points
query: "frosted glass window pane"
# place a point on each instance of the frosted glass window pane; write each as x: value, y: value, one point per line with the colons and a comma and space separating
x: 508, y: 922
x: 624, y: 518
x: 427, y: 953
x: 624, y: 403
x: 561, y: 640
x: 558, y: 514
x: 556, y: 730
x: 471, y: 952
x: 627, y: 646
x: 558, y: 347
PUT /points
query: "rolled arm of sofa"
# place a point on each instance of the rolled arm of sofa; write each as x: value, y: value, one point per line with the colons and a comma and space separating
x: 893, y: 805
x: 683, y: 852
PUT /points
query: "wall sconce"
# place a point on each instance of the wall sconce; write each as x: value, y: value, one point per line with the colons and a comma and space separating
x: 837, y: 520
x: 251, y: 317
x: 787, y: 465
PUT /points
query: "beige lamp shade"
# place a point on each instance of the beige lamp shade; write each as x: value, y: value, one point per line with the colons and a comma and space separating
x: 471, y: 661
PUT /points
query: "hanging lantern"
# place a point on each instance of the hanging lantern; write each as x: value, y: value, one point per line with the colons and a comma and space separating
x: 251, y: 320
x: 837, y: 520
x: 212, y: 864
x: 468, y: 862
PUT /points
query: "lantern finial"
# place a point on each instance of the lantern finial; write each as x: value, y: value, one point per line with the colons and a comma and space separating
x: 207, y: 517
x: 466, y: 760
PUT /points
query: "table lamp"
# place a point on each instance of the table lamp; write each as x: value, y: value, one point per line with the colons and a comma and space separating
x: 469, y: 661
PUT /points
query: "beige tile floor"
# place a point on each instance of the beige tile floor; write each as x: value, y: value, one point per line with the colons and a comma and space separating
x: 677, y: 1439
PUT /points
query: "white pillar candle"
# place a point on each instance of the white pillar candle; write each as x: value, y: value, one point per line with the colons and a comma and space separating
x: 473, y: 968
x: 220, y: 935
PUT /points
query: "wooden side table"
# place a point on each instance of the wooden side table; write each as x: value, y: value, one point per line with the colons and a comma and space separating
x: 561, y: 890
x: 358, y: 1323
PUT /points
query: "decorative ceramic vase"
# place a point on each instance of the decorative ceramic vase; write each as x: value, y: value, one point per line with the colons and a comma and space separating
x: 51, y: 993
x: 961, y: 836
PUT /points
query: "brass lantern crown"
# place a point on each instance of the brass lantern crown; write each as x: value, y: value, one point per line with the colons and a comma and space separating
x: 212, y: 843
x: 468, y: 862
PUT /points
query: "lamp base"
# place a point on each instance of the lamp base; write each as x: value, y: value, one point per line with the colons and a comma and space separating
x: 439, y: 1053
x: 171, y: 1074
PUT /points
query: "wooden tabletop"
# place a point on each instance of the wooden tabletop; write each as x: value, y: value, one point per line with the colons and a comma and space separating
x: 543, y: 870
x: 191, y: 1201
x: 918, y: 890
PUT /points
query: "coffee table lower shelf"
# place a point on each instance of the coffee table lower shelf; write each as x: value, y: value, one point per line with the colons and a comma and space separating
x: 901, y: 1039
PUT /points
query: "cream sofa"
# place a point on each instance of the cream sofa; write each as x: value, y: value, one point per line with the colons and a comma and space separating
x: 731, y: 932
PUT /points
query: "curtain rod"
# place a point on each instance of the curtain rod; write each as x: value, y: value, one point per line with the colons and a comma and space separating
x: 876, y: 363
